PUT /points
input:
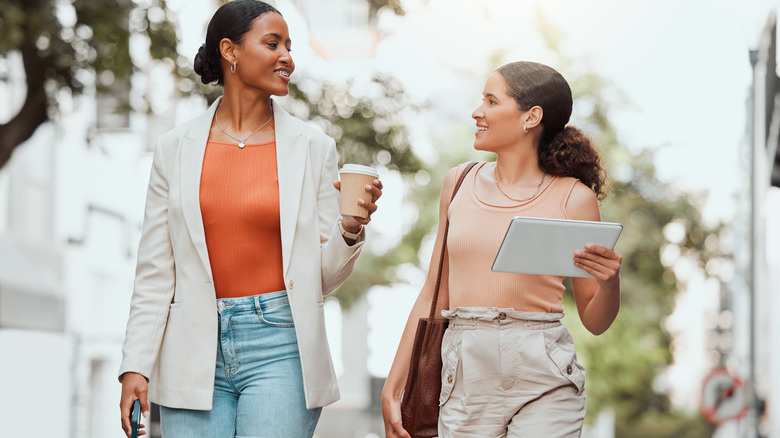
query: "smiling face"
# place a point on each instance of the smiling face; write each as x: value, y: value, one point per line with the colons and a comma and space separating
x: 263, y: 58
x: 499, y: 119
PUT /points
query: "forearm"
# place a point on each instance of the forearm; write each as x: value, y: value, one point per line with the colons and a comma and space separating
x: 601, y: 311
x: 396, y: 379
x: 337, y: 255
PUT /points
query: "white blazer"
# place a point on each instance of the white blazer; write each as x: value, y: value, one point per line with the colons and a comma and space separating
x: 171, y: 336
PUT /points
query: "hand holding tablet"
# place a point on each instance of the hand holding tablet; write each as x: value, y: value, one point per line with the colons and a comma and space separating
x: 546, y: 246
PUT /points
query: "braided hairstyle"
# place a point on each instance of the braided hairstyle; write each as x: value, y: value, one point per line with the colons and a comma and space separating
x: 232, y: 20
x: 563, y: 150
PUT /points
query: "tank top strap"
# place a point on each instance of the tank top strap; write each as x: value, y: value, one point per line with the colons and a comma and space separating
x: 564, y: 187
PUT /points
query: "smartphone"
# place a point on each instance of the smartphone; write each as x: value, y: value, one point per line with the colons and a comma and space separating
x: 135, y: 417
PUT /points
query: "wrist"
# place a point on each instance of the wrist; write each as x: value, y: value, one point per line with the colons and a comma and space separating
x: 611, y: 286
x: 353, y: 234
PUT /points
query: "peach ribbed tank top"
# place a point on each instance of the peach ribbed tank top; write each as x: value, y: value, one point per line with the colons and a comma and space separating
x: 239, y: 202
x: 476, y: 231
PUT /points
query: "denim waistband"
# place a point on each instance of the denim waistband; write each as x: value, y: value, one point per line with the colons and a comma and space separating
x: 493, y: 316
x: 252, y: 302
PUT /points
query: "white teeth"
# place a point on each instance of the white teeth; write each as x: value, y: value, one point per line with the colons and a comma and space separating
x: 479, y: 128
x: 283, y: 73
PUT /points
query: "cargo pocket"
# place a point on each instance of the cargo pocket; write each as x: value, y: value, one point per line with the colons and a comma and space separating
x: 560, y: 349
x: 450, y: 358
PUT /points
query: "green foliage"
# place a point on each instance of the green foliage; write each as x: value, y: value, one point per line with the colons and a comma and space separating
x: 88, y: 35
x: 624, y: 362
x: 65, y: 45
x: 670, y: 425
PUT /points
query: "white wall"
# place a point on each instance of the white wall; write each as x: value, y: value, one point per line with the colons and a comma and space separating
x: 36, y: 370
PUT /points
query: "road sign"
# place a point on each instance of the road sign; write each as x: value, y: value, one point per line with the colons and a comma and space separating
x: 723, y: 397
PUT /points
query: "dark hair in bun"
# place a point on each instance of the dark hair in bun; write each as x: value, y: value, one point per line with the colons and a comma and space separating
x: 232, y: 20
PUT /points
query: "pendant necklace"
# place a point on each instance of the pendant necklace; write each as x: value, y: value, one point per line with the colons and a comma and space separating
x: 241, y: 143
x: 538, y: 188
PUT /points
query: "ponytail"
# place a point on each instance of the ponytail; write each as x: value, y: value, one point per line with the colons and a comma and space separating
x: 563, y: 149
x: 571, y: 153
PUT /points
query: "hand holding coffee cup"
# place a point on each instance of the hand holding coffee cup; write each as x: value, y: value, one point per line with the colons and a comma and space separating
x: 360, y: 189
x: 356, y: 183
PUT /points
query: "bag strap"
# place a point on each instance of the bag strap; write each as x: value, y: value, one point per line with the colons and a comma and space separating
x: 435, y: 300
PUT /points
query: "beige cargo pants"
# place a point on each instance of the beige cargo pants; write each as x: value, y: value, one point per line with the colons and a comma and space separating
x: 508, y: 373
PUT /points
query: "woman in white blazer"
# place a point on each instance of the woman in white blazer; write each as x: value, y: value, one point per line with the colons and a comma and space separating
x: 254, y: 363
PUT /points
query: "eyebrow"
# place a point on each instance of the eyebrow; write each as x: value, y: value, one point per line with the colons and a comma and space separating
x: 491, y: 95
x: 277, y: 36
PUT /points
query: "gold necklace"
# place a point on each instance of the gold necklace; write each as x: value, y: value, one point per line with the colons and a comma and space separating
x: 538, y: 188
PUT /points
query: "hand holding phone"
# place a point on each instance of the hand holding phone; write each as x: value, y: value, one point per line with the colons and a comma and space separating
x: 135, y: 417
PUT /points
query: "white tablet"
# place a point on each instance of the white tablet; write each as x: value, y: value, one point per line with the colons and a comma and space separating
x: 546, y: 246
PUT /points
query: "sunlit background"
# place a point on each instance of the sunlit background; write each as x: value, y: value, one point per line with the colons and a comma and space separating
x: 679, y: 95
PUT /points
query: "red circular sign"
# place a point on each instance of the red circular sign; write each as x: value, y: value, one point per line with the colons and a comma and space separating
x: 723, y: 397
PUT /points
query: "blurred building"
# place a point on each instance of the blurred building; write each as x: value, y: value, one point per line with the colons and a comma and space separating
x: 71, y: 205
x: 752, y: 296
x: 71, y: 209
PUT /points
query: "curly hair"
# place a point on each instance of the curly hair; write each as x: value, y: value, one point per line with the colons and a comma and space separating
x: 232, y: 20
x: 563, y: 150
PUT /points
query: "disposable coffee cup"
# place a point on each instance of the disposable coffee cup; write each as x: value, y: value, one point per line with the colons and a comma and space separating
x: 354, y: 179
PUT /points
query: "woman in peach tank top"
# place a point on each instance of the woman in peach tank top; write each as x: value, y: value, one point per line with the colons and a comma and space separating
x: 509, y: 367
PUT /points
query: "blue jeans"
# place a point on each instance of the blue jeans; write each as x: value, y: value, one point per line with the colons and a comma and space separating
x: 258, y: 386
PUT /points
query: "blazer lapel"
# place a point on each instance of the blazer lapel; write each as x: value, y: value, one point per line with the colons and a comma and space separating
x: 193, y: 149
x: 291, y: 153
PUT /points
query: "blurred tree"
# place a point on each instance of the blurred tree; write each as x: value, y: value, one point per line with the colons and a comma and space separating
x: 376, y: 5
x: 369, y: 129
x: 624, y: 363
x: 64, y: 45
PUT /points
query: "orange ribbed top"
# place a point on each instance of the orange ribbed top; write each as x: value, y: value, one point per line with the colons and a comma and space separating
x: 476, y: 232
x: 239, y: 202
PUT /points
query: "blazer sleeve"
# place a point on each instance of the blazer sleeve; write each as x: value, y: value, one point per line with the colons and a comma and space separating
x: 154, y: 278
x: 338, y: 258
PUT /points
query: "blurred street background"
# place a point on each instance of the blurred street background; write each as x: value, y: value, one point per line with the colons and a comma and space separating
x: 682, y: 97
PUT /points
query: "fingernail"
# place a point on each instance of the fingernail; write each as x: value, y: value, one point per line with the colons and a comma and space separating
x: 146, y: 414
x: 369, y: 187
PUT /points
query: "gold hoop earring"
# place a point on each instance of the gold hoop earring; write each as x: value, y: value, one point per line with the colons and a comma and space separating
x: 233, y: 67
x: 525, y: 129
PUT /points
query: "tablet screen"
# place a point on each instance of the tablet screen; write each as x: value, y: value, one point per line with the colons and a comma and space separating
x: 546, y: 246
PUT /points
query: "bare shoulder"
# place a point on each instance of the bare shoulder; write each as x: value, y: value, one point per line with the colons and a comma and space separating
x: 451, y: 177
x: 583, y: 204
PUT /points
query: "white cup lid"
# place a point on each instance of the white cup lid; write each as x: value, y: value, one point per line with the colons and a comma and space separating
x: 357, y: 168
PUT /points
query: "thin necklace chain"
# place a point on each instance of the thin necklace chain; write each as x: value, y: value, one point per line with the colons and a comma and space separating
x: 538, y: 188
x: 241, y: 143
